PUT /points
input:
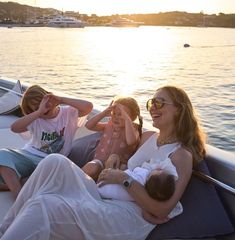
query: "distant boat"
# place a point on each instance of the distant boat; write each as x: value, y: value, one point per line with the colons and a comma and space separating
x: 124, y: 22
x: 66, y: 22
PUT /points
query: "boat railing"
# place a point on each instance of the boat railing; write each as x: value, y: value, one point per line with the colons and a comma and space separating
x: 206, y: 178
x: 12, y: 91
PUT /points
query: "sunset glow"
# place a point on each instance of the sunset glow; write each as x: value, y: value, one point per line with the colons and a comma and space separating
x: 109, y: 7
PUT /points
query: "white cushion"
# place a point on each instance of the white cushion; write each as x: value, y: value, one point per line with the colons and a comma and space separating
x: 10, y: 101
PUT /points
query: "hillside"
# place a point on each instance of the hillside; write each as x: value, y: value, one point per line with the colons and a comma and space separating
x: 21, y: 13
x: 11, y: 12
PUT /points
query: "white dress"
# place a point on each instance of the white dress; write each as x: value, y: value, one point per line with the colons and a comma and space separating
x: 60, y: 202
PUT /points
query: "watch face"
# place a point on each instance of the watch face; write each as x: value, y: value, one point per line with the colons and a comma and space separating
x: 126, y: 183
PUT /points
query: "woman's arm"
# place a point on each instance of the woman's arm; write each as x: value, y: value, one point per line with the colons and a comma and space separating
x: 182, y: 159
x: 153, y: 219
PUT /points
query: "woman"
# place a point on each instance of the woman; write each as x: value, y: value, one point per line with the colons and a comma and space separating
x: 61, y: 202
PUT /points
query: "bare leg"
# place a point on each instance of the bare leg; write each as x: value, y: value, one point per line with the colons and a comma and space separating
x: 11, y: 179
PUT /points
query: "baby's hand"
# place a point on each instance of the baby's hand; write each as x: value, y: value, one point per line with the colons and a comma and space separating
x: 113, y: 161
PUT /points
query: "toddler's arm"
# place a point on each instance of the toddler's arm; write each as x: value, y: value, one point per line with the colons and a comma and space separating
x: 94, y: 123
x: 131, y: 132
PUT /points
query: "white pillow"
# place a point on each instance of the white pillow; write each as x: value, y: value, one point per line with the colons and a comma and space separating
x: 10, y: 101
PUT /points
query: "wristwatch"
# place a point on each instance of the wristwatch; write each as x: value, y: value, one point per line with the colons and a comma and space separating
x: 127, y: 182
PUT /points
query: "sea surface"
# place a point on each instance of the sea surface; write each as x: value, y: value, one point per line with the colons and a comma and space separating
x: 98, y: 63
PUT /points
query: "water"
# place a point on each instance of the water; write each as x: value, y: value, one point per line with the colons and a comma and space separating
x: 97, y: 63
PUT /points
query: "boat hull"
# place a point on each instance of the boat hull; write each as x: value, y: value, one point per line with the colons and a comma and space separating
x: 221, y: 165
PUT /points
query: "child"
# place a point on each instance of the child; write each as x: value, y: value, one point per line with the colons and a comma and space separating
x: 158, y: 182
x: 120, y: 135
x: 52, y: 128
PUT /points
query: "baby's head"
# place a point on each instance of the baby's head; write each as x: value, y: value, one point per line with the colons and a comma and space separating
x: 132, y: 108
x: 160, y: 185
x: 32, y: 99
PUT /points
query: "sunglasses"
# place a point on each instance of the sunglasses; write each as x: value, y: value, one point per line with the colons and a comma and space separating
x: 157, y: 103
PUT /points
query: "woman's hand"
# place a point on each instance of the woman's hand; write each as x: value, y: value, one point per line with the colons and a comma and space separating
x: 111, y: 176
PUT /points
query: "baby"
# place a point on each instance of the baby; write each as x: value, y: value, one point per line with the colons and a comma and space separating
x: 158, y: 182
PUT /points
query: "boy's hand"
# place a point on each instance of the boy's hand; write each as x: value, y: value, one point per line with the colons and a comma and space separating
x: 54, y: 100
x: 49, y: 102
x: 44, y: 106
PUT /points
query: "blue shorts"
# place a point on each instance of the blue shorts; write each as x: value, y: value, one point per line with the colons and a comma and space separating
x: 21, y: 161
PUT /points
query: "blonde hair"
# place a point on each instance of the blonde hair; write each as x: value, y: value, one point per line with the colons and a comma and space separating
x: 187, y: 127
x: 132, y: 105
x: 32, y: 99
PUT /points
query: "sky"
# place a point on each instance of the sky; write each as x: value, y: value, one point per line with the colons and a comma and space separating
x: 109, y: 7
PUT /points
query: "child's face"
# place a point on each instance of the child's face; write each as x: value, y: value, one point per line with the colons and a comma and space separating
x: 117, y: 117
x: 51, y: 111
x: 47, y: 105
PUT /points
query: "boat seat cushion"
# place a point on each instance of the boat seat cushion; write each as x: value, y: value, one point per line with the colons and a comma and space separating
x: 10, y: 101
x: 203, y: 215
x: 83, y: 149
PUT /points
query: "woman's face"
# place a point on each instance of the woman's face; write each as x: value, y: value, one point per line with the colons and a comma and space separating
x: 163, y: 116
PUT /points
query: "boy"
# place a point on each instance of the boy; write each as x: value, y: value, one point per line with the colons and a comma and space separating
x: 52, y: 128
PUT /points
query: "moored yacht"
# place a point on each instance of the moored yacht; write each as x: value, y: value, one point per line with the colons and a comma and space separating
x: 66, y: 22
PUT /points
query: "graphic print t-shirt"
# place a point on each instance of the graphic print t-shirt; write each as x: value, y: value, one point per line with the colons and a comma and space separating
x: 53, y: 135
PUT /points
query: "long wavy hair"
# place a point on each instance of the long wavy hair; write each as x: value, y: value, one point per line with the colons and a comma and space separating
x: 32, y: 99
x: 187, y: 126
x: 131, y: 104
